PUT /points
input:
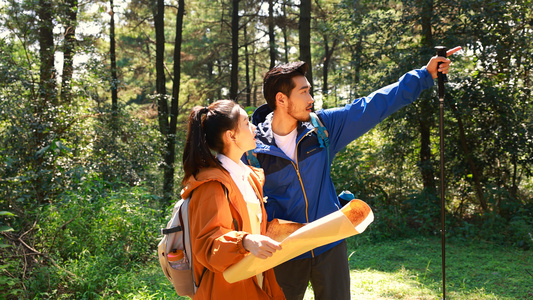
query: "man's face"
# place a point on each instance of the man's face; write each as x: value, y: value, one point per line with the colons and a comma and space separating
x: 300, y: 101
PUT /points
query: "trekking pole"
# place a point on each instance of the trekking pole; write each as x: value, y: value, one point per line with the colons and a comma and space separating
x: 441, y: 51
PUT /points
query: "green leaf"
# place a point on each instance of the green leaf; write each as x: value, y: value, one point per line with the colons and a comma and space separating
x: 41, y: 152
x: 6, y: 213
x: 5, y: 228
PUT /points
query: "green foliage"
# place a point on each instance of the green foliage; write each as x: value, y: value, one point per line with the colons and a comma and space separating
x: 124, y: 148
x: 146, y: 282
x: 94, y: 235
x: 514, y: 231
x: 372, y: 170
x: 4, y: 228
x: 80, y: 183
x: 8, y: 281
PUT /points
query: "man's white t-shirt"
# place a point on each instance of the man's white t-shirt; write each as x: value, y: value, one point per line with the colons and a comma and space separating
x: 287, y: 143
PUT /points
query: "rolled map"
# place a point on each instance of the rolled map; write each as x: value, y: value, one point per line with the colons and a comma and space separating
x: 352, y: 219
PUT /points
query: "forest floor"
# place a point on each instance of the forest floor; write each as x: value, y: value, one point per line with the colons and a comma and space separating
x: 412, y: 269
x: 406, y: 269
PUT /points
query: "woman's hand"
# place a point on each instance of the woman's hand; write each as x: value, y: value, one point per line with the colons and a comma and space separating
x: 260, y: 245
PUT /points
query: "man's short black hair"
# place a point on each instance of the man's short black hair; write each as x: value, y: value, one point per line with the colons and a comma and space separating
x: 279, y: 79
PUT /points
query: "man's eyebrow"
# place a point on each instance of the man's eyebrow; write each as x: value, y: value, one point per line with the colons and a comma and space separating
x: 305, y: 87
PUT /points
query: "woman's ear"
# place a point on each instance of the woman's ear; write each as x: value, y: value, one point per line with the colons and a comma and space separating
x: 229, y: 136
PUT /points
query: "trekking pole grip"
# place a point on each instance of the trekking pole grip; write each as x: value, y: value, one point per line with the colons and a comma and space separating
x: 441, y: 51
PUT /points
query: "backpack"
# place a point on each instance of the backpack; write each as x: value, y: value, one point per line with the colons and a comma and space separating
x: 259, y: 116
x: 177, y: 240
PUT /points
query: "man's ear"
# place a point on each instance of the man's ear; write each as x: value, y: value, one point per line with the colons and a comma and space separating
x: 281, y: 99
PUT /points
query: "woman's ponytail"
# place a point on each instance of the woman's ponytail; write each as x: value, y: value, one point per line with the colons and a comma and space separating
x: 205, y: 128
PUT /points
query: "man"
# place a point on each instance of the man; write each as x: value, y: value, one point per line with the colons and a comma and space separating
x: 298, y: 183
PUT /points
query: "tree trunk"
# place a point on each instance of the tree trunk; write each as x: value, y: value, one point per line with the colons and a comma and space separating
x: 426, y: 165
x: 327, y: 59
x: 234, y: 87
x: 160, y: 67
x: 177, y: 66
x: 357, y: 49
x: 285, y: 35
x: 325, y: 67
x: 356, y: 57
x: 247, y: 64
x: 163, y: 111
x: 219, y: 91
x: 514, y: 182
x: 272, y: 45
x: 69, y: 46
x: 112, y: 55
x: 426, y: 109
x: 47, y: 84
x: 169, y: 155
x: 47, y: 97
x: 305, y: 38
x: 254, y: 90
x: 471, y: 164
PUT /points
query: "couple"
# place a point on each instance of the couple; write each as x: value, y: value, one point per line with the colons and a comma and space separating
x: 228, y: 217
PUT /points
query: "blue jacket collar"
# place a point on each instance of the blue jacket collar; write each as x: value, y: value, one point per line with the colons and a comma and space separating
x: 265, y: 136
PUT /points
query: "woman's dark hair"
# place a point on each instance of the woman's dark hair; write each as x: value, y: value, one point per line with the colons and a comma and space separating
x: 206, y: 127
x: 279, y: 79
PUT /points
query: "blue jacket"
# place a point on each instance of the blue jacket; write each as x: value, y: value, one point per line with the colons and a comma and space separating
x: 302, y: 190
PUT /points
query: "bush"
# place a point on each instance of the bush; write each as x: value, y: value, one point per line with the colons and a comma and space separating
x: 92, y: 237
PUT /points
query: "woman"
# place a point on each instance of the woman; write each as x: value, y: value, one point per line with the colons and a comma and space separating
x: 226, y: 212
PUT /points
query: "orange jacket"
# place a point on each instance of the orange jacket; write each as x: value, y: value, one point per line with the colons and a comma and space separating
x: 215, y: 243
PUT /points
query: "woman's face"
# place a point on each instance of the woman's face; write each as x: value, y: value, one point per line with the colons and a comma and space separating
x: 245, y: 132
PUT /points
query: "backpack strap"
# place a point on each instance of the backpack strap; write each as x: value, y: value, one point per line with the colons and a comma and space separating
x: 251, y: 157
x: 171, y: 230
x: 235, y: 224
x: 321, y: 132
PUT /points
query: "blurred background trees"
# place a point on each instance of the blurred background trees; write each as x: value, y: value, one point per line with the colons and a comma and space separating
x: 94, y: 97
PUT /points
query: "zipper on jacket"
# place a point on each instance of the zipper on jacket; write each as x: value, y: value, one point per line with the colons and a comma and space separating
x: 297, y: 168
